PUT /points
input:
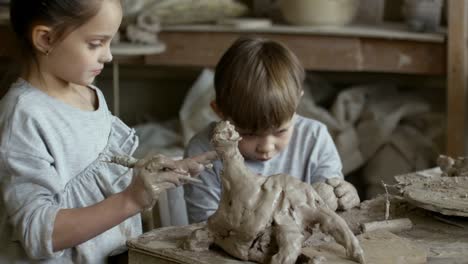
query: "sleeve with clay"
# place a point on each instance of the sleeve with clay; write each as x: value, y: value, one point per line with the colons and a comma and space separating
x: 202, y: 199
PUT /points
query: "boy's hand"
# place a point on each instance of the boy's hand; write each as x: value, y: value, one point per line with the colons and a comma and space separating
x: 327, y: 193
x: 345, y: 193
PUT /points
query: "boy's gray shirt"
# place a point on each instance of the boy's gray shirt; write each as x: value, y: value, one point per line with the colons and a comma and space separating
x: 310, y: 156
x: 50, y: 156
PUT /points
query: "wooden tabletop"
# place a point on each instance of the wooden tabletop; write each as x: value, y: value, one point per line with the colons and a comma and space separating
x: 441, y: 239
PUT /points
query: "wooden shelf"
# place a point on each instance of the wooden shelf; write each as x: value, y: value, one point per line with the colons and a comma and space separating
x: 122, y: 52
x: 387, y: 48
x: 134, y: 50
x: 356, y: 48
x: 384, y: 31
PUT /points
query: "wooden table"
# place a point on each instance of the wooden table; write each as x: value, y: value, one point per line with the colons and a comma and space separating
x: 441, y: 239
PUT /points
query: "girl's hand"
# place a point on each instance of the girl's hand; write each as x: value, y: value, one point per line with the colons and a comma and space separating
x: 196, y: 164
x: 155, y: 174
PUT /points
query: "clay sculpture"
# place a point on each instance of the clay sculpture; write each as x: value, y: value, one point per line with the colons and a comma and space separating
x: 265, y: 219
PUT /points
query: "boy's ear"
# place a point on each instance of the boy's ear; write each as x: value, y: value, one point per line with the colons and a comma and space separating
x: 41, y: 38
x: 215, y: 108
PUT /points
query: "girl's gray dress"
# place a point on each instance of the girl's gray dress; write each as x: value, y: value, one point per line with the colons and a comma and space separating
x: 50, y: 159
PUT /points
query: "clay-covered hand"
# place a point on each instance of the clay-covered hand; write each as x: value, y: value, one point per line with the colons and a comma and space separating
x: 345, y: 193
x: 327, y: 193
x: 154, y: 174
x: 196, y: 164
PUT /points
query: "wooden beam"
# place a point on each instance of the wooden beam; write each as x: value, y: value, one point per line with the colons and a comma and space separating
x: 457, y: 74
x: 402, y: 56
x: 317, y: 52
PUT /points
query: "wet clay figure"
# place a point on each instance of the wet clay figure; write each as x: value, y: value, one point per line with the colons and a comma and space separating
x: 264, y: 219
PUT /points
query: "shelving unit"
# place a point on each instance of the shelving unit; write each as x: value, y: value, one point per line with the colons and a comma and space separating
x: 128, y: 50
x: 387, y: 48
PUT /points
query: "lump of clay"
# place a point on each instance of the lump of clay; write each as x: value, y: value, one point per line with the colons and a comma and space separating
x: 264, y: 219
x: 453, y: 167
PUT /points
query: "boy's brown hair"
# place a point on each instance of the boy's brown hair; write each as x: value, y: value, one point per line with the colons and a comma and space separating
x: 258, y: 84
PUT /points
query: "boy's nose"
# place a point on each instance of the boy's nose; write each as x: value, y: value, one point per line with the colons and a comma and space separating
x: 266, y: 146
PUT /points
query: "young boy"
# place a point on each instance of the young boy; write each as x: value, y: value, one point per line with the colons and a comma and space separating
x: 258, y: 86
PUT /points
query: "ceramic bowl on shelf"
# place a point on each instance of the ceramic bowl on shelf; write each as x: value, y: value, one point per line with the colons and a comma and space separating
x: 319, y: 12
x: 422, y: 15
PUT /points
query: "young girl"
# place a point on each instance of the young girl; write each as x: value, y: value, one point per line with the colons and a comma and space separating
x: 60, y: 203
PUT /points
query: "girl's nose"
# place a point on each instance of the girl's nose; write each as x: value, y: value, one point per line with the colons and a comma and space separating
x: 107, y: 55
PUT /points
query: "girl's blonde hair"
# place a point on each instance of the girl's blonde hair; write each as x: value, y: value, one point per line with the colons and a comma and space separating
x: 258, y: 84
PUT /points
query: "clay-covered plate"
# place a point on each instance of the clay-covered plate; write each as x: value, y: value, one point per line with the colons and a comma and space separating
x: 429, y: 190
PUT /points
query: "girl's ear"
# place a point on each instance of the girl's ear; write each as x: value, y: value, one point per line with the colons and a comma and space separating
x: 215, y: 108
x: 41, y: 39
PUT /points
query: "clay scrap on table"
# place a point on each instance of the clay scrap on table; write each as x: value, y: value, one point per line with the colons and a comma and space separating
x: 432, y: 190
x: 381, y: 247
x: 263, y: 219
x: 444, y: 238
x: 453, y: 167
